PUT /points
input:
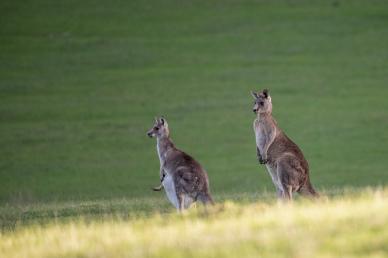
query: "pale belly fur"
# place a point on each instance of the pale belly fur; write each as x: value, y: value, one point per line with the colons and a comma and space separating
x: 169, y: 187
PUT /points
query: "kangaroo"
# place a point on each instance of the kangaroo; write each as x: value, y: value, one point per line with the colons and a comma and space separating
x: 181, y: 176
x: 284, y: 160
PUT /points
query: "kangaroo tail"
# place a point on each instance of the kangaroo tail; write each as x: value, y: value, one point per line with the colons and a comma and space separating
x: 206, y: 199
x: 309, y: 190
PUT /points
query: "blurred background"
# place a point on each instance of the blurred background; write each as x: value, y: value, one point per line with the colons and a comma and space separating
x: 81, y: 81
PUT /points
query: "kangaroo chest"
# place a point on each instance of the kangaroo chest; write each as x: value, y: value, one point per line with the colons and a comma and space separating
x: 160, y: 154
x: 264, y: 132
x: 261, y: 137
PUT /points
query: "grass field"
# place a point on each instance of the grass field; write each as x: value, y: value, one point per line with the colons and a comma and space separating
x: 80, y: 83
x: 354, y: 226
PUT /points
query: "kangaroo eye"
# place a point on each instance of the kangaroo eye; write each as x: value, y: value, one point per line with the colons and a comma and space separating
x: 261, y: 103
x: 156, y: 128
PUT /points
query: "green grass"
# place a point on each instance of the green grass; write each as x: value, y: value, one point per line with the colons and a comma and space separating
x: 14, y: 216
x: 80, y: 83
x: 353, y: 225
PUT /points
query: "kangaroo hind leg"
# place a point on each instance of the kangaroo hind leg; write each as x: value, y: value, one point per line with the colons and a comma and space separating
x: 284, y: 173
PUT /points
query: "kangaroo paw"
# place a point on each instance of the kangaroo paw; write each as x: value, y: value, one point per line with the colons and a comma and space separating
x: 263, y: 161
x: 157, y: 188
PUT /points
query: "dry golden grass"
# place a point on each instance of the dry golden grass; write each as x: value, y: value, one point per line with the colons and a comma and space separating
x: 348, y: 226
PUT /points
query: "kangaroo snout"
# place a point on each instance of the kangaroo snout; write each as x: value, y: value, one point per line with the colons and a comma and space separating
x: 255, y: 110
x: 149, y: 134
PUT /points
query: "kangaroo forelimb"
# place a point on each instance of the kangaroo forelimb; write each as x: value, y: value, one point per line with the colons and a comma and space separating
x: 259, y: 157
x: 157, y: 188
x: 162, y: 176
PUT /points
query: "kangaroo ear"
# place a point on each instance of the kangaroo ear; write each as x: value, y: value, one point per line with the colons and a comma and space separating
x: 254, y: 95
x: 265, y: 93
x: 164, y: 122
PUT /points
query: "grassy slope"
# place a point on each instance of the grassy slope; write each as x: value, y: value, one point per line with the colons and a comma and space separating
x: 80, y: 82
x: 351, y: 226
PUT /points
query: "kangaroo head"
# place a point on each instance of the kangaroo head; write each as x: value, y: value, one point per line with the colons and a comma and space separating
x: 160, y: 128
x: 263, y: 103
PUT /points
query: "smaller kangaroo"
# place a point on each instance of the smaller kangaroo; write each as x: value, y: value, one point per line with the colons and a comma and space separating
x: 182, y: 177
x: 284, y: 160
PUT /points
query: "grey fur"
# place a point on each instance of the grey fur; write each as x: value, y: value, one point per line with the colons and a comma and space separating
x: 189, y: 179
x: 284, y: 160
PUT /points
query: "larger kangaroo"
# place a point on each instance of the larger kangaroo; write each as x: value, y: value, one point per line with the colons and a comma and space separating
x: 284, y: 160
x: 182, y: 177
